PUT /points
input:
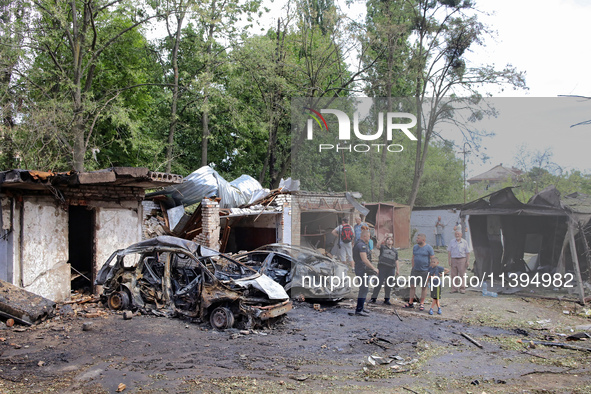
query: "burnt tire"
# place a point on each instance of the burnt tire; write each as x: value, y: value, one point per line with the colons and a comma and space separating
x: 221, y: 318
x: 118, y: 300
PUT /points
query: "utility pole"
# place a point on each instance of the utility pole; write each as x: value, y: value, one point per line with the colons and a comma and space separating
x: 464, y: 151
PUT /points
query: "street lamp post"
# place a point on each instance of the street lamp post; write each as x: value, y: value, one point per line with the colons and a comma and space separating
x: 464, y: 151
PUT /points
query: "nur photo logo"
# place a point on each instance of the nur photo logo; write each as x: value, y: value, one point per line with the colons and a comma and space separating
x: 358, y: 141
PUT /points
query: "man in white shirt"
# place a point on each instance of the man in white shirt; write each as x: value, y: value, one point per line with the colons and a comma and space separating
x: 458, y: 256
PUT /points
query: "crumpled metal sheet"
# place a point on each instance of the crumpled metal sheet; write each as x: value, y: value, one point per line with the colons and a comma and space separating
x: 206, y: 182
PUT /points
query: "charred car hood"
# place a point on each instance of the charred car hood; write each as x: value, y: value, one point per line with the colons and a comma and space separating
x: 272, y: 289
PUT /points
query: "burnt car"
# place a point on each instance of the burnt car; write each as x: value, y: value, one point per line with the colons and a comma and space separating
x: 301, y: 271
x: 175, y: 277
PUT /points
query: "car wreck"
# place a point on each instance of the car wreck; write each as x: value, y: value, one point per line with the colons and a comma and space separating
x: 175, y: 277
x: 301, y: 271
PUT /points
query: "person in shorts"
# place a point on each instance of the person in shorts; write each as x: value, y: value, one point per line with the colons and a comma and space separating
x: 435, y: 273
x: 422, y: 253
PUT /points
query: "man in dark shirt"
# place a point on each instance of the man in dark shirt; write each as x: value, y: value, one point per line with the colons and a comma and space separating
x: 362, y: 259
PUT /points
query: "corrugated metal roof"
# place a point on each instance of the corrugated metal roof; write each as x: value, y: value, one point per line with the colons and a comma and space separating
x: 206, y: 182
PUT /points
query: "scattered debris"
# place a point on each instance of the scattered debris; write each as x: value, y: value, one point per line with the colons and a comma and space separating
x: 373, y: 360
x: 375, y: 340
x: 121, y: 387
x: 531, y: 345
x: 561, y: 345
x: 548, y: 372
x: 580, y: 336
x: 78, y: 298
x: 474, y: 341
x: 22, y: 306
x: 127, y: 315
x: 535, y: 355
x: 87, y: 326
x: 413, y: 361
x: 521, y: 331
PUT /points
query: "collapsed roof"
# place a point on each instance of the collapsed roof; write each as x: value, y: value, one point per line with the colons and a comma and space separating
x: 206, y: 182
x: 116, y: 176
x: 503, y: 230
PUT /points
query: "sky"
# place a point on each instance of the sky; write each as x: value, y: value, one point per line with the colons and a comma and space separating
x: 545, y: 39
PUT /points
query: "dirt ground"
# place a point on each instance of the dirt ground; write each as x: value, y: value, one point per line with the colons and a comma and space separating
x: 326, y: 350
x: 310, y: 351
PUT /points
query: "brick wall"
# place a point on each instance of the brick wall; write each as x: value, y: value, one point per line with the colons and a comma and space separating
x: 210, y: 221
x: 104, y: 193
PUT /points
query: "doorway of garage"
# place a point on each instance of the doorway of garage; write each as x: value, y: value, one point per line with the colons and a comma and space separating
x: 81, y: 233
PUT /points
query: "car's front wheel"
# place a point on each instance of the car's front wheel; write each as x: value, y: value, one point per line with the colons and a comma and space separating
x: 221, y: 318
x: 119, y: 300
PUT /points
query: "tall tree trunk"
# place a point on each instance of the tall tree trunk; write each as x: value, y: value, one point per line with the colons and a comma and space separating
x: 79, y: 143
x: 205, y: 117
x: 418, y: 172
x: 205, y: 135
x: 275, y: 115
x: 175, y: 91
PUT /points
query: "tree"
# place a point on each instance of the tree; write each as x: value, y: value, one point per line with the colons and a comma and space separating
x: 69, y: 41
x: 179, y: 11
x: 444, y: 31
x: 14, y: 19
x: 219, y: 21
x: 387, y: 31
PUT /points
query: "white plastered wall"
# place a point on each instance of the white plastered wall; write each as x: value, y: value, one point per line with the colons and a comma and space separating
x: 40, y: 250
x: 41, y: 263
x: 116, y: 228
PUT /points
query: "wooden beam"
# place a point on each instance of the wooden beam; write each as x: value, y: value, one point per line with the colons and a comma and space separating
x: 225, y: 238
x: 587, y: 251
x: 560, y: 268
x: 573, y: 251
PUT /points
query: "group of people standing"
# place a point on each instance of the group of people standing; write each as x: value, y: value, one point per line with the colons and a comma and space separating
x: 354, y: 249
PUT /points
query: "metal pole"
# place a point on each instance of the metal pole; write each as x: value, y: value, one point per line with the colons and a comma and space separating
x: 464, y: 151
x: 344, y: 171
x: 464, y: 174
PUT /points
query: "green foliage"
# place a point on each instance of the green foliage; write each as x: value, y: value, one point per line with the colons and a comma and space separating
x: 82, y: 87
x: 441, y: 183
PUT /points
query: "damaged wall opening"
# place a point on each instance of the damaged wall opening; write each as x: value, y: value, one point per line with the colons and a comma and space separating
x: 316, y: 228
x: 81, y: 221
x: 250, y: 231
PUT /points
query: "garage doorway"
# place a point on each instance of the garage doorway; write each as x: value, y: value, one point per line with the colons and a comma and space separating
x: 81, y: 223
